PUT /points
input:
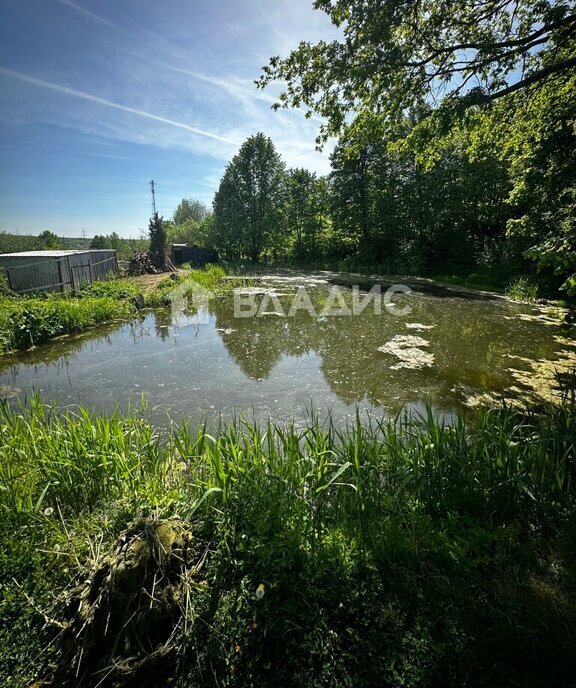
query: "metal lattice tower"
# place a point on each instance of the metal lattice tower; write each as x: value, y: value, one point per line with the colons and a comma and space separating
x: 152, y: 186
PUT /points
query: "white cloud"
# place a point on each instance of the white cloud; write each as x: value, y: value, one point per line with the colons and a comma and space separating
x: 179, y: 83
x: 89, y: 14
x: 103, y: 101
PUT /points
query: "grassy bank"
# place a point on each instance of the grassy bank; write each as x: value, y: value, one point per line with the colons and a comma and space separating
x: 27, y: 321
x: 209, y: 278
x: 407, y: 553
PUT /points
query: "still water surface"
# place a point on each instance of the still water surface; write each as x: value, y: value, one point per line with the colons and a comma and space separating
x: 213, y: 363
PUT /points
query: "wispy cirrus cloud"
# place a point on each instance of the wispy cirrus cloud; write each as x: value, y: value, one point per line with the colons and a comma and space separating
x: 91, y: 15
x: 114, y: 94
x: 108, y: 103
x: 244, y: 89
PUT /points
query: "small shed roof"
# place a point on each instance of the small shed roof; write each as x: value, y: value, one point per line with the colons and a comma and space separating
x: 50, y: 254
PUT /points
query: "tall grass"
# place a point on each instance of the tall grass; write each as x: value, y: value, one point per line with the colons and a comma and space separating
x: 26, y: 322
x: 121, y: 289
x: 407, y: 551
x: 522, y: 289
x: 209, y: 277
x: 73, y: 461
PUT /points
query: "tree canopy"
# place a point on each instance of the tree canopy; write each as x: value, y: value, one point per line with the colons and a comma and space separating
x: 424, y: 56
x: 247, y: 203
x: 305, y: 210
x: 48, y: 240
x: 189, y: 209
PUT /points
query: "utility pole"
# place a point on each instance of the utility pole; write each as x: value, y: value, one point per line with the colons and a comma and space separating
x: 152, y: 185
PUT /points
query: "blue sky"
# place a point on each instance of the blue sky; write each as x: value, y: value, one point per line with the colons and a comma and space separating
x: 97, y: 97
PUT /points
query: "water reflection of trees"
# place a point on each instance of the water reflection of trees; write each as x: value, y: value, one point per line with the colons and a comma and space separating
x: 62, y: 350
x: 257, y: 344
x: 471, y: 343
x: 162, y: 323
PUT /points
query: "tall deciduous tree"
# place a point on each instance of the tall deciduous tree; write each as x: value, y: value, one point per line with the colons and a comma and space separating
x: 189, y: 209
x: 247, y: 203
x: 100, y: 241
x: 48, y: 240
x: 304, y: 208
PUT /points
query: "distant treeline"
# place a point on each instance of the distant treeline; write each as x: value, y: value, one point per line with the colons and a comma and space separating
x: 47, y: 240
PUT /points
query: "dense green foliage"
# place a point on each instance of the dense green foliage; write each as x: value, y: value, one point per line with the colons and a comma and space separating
x: 26, y: 322
x: 427, y: 57
x: 14, y: 243
x: 158, y: 238
x: 247, y: 203
x: 49, y: 240
x: 121, y: 289
x: 414, y: 553
x: 191, y: 224
x: 305, y: 207
x: 124, y: 247
x: 495, y: 195
x: 189, y: 209
x: 456, y: 136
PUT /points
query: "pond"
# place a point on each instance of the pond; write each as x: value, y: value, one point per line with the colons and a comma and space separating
x: 337, y: 350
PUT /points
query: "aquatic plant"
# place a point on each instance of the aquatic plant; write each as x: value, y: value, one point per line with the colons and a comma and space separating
x: 522, y: 289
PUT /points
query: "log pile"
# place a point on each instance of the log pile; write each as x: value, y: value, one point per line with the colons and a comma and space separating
x: 146, y: 263
x: 141, y: 264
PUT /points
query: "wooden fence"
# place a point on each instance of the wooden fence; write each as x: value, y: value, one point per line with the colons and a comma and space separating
x: 59, y: 273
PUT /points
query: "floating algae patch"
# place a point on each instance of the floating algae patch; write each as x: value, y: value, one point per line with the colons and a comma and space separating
x: 418, y: 327
x: 544, y: 379
x: 255, y: 291
x: 565, y: 341
x: 474, y: 398
x: 540, y: 317
x: 409, y: 352
x: 540, y: 381
x: 121, y: 624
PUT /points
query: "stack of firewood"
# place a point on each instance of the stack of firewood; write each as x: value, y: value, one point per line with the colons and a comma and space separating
x: 141, y: 263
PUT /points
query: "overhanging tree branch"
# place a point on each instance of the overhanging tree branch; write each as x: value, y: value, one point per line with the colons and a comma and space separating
x: 531, y: 79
